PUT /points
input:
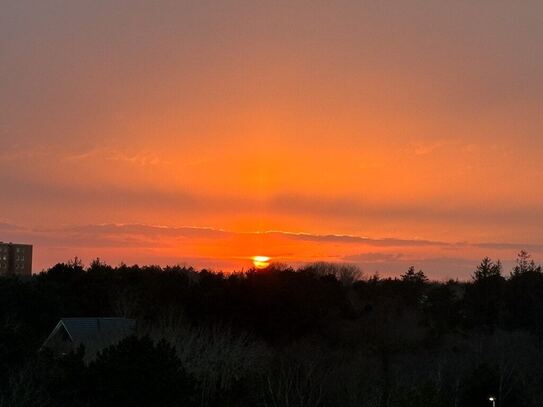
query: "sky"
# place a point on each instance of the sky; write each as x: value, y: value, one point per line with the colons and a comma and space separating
x: 380, y: 133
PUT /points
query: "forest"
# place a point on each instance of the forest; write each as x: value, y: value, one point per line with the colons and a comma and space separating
x: 321, y: 335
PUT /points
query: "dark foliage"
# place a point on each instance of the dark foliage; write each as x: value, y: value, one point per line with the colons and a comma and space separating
x: 138, y: 372
x: 318, y: 336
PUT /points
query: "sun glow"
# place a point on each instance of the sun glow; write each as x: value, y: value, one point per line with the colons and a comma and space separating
x: 261, y: 262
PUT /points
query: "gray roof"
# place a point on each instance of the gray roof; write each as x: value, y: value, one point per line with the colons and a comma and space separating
x: 87, y: 330
x: 80, y: 329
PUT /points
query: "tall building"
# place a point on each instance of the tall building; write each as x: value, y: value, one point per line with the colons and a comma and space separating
x: 15, y: 259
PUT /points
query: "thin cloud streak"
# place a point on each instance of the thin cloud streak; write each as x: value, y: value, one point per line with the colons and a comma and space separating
x: 100, y: 230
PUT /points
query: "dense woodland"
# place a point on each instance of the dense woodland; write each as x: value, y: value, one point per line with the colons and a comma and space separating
x: 323, y: 335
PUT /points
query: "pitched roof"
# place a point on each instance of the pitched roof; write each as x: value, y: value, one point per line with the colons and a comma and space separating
x: 80, y: 329
x: 87, y: 330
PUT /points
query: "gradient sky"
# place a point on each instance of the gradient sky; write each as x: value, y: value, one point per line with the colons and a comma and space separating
x: 382, y: 133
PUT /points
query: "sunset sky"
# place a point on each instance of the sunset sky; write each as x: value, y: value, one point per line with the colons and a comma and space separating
x: 382, y: 133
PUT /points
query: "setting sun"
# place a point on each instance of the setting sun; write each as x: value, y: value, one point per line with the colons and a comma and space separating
x: 261, y: 262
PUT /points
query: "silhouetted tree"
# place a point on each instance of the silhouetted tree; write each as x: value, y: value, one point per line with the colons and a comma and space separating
x: 525, y: 264
x: 413, y: 286
x: 138, y: 372
x: 484, y: 299
x: 412, y: 276
x: 487, y: 269
x: 524, y: 295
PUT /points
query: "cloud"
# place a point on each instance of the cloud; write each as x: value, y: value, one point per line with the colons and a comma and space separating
x: 375, y: 257
x: 511, y: 246
x: 385, y: 242
x: 80, y: 195
x: 140, y: 158
x: 228, y: 250
x: 149, y: 230
x: 7, y: 227
x: 345, y: 207
x: 428, y: 148
x: 29, y: 195
x: 152, y: 232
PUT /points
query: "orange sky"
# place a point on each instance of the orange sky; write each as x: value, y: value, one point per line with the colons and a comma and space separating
x: 378, y: 133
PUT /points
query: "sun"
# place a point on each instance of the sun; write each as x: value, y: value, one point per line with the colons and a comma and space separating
x: 261, y: 262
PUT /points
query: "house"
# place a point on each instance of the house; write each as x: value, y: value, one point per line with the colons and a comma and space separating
x: 94, y: 334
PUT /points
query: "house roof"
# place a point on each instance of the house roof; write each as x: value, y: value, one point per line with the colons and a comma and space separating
x: 87, y: 330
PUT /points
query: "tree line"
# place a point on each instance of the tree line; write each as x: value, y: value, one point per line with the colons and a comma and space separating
x: 320, y: 335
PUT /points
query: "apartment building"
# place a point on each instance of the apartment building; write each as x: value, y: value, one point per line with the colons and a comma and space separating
x: 15, y: 259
